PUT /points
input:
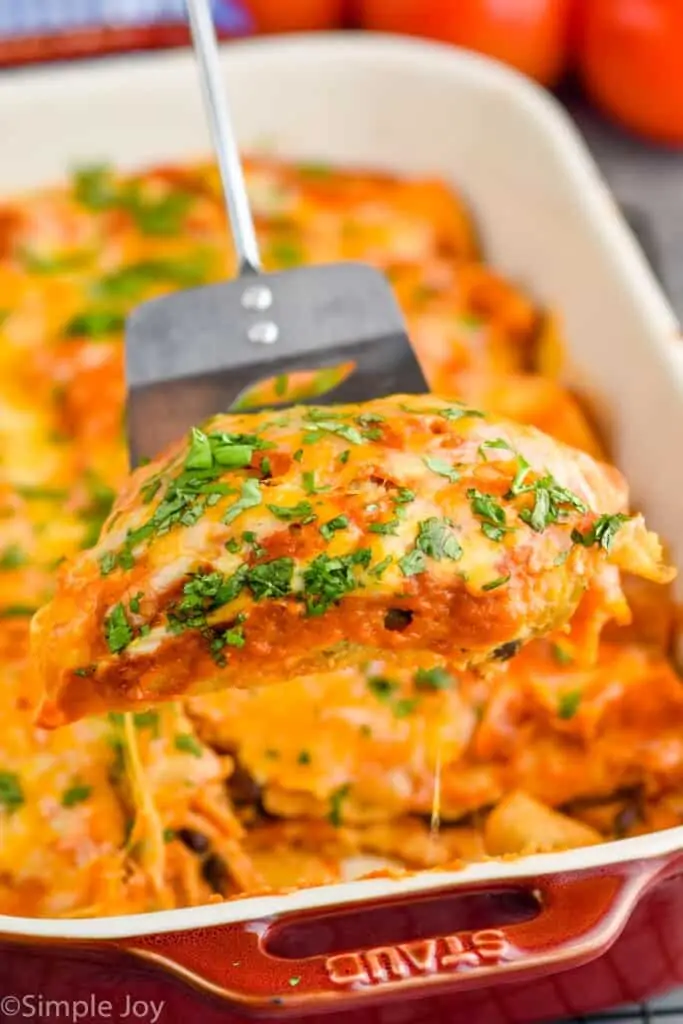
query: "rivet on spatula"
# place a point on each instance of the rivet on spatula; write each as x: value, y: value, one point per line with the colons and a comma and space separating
x: 257, y: 297
x: 264, y: 333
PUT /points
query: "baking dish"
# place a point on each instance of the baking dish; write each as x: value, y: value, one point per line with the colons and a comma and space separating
x: 545, y: 936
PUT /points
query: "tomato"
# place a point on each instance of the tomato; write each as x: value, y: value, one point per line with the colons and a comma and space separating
x: 631, y: 63
x: 295, y: 15
x: 531, y: 35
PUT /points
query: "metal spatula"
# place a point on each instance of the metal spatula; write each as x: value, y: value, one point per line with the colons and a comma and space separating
x: 191, y: 354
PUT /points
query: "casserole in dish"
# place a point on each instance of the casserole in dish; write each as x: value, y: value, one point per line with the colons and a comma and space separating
x: 580, y: 916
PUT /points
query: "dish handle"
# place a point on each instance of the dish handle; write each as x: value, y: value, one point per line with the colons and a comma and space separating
x: 578, y: 916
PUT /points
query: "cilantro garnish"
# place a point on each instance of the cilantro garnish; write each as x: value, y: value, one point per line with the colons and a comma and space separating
x: 551, y: 503
x: 117, y: 630
x: 437, y: 539
x: 381, y: 567
x: 601, y: 532
x: 389, y: 528
x: 75, y: 794
x: 382, y: 688
x: 568, y: 704
x: 337, y: 798
x: 108, y: 563
x: 271, y: 579
x: 436, y: 678
x: 95, y: 323
x: 326, y: 579
x: 309, y: 485
x: 413, y: 563
x: 490, y: 512
x: 441, y: 468
x: 188, y: 744
x: 249, y: 498
x: 494, y: 584
x: 330, y: 528
x: 11, y: 791
x: 303, y: 511
x: 12, y: 557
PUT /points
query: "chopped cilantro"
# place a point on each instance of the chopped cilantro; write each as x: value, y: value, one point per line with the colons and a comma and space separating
x: 436, y: 678
x: 302, y: 511
x: 458, y: 412
x: 490, y: 512
x: 147, y: 720
x: 200, y: 455
x: 75, y: 794
x: 388, y: 528
x: 148, y: 491
x: 329, y: 426
x: 188, y: 744
x: 336, y: 800
x: 551, y: 502
x: 134, y: 603
x: 381, y: 687
x: 413, y: 563
x: 568, y: 704
x: 11, y: 791
x: 294, y: 980
x: 561, y: 656
x: 286, y: 252
x: 117, y: 631
x: 17, y: 611
x: 437, y: 539
x: 304, y: 757
x: 36, y: 263
x: 441, y: 468
x: 271, y: 579
x: 308, y: 481
x: 85, y: 671
x: 159, y: 217
x: 403, y: 496
x: 326, y: 579
x: 405, y: 706
x: 249, y: 498
x: 601, y: 532
x: 108, y: 563
x: 494, y: 584
x: 330, y: 528
x: 95, y: 323
x: 298, y: 455
x: 129, y: 282
x: 344, y: 457
x: 12, y: 557
x: 94, y: 187
x: 498, y: 443
x: 381, y: 567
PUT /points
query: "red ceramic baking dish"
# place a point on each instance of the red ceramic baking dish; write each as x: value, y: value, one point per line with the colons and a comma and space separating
x: 536, y: 938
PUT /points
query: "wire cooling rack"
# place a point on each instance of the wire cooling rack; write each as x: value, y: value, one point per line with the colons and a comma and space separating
x: 667, y: 1009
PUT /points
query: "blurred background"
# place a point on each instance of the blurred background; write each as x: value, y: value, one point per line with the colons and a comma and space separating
x: 616, y: 64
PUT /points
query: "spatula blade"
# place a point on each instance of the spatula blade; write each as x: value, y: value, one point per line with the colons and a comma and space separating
x: 191, y: 354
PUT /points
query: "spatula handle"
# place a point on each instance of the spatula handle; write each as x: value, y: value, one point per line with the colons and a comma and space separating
x: 223, y: 136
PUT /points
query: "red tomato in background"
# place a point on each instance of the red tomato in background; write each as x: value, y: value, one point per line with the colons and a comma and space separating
x: 530, y: 35
x: 631, y: 63
x: 295, y: 15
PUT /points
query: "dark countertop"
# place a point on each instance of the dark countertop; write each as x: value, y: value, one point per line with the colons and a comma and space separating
x: 646, y: 180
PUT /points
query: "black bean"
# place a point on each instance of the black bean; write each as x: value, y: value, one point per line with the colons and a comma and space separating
x: 243, y: 788
x: 397, y: 619
x: 507, y: 651
x: 215, y: 872
x: 193, y: 840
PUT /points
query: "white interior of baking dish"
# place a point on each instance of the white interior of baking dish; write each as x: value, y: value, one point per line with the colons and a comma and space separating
x: 545, y: 218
